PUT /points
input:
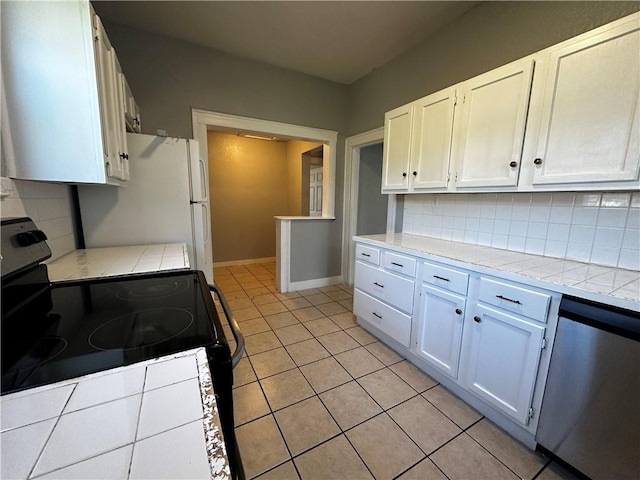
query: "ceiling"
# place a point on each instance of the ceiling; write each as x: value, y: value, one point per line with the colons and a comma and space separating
x: 335, y: 40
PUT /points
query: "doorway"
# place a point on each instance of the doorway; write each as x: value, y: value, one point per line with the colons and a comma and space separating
x: 203, y: 121
x: 355, y: 206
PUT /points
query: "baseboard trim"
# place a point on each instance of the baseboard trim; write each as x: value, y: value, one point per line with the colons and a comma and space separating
x: 249, y: 261
x: 315, y: 283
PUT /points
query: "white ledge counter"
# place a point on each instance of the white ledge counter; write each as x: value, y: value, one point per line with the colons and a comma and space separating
x: 154, y: 419
x: 608, y: 285
x: 113, y: 261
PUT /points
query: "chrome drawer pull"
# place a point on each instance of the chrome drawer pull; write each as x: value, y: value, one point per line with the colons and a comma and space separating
x: 508, y: 299
x: 365, y: 254
x: 441, y: 278
x: 376, y: 283
x: 397, y: 264
x: 374, y: 313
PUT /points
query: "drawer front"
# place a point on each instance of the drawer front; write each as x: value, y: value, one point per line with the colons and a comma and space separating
x: 445, y: 278
x: 399, y: 263
x: 367, y: 254
x: 386, y: 286
x: 392, y: 322
x: 515, y: 299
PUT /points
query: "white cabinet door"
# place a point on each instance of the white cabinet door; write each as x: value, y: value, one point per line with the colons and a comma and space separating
x: 440, y: 329
x: 500, y: 360
x: 490, y: 125
x: 397, y: 141
x: 589, y: 130
x: 108, y: 91
x: 59, y: 76
x: 131, y: 109
x: 431, y: 140
x: 117, y: 110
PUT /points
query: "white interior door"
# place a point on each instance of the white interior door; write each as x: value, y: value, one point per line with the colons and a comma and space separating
x: 315, y: 192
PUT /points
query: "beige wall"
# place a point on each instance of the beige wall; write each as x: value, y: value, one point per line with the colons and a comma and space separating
x: 251, y: 181
x: 248, y: 182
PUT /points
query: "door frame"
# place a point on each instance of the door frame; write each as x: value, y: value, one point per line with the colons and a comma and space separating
x: 202, y: 119
x: 353, y: 145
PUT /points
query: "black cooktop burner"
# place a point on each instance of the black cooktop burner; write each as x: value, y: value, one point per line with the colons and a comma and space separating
x: 141, y: 329
x: 161, y: 288
x: 81, y: 327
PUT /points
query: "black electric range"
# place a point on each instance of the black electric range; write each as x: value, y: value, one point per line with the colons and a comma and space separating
x: 58, y: 331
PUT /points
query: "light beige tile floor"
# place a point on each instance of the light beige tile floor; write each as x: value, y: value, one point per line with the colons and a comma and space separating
x: 318, y: 397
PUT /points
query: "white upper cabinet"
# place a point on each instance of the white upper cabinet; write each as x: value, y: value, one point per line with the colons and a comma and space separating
x: 131, y: 109
x: 417, y: 144
x: 397, y: 147
x: 431, y: 140
x: 64, y: 118
x: 590, y: 109
x: 564, y: 118
x: 490, y: 126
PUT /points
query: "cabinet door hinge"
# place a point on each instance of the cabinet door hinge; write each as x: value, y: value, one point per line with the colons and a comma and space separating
x: 530, y: 413
x: 543, y: 344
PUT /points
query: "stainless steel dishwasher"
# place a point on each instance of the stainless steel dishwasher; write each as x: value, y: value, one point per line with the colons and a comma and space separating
x: 590, y: 415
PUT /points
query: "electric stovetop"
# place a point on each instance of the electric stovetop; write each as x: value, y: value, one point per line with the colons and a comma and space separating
x: 70, y: 329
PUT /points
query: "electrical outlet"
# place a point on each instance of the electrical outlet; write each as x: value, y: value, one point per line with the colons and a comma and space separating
x: 435, y: 200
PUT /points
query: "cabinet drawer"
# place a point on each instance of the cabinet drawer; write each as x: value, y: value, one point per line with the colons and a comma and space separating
x: 390, y: 288
x: 446, y: 278
x: 399, y: 263
x: 392, y: 322
x: 525, y: 302
x: 367, y: 254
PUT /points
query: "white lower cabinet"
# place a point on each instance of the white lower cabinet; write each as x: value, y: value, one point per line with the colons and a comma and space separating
x: 482, y: 336
x: 440, y: 329
x: 499, y: 361
x: 383, y: 294
x: 385, y: 318
x: 388, y: 287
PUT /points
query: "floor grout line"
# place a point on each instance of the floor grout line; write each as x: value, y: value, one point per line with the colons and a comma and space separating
x: 269, y: 284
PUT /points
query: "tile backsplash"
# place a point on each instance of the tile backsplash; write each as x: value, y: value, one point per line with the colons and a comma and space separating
x: 597, y: 227
x: 48, y: 205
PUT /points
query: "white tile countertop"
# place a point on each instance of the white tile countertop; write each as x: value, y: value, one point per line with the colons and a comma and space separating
x: 110, y: 261
x: 608, y: 285
x: 155, y: 419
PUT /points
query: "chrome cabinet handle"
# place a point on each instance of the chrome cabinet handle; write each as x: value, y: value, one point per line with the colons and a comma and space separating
x: 375, y: 314
x: 441, y: 278
x: 377, y: 284
x: 397, y: 264
x: 537, y: 161
x: 508, y: 299
x: 365, y: 254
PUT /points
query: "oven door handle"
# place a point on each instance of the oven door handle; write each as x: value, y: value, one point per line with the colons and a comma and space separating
x: 235, y: 329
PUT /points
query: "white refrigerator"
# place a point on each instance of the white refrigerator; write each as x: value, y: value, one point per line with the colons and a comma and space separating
x: 165, y: 201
